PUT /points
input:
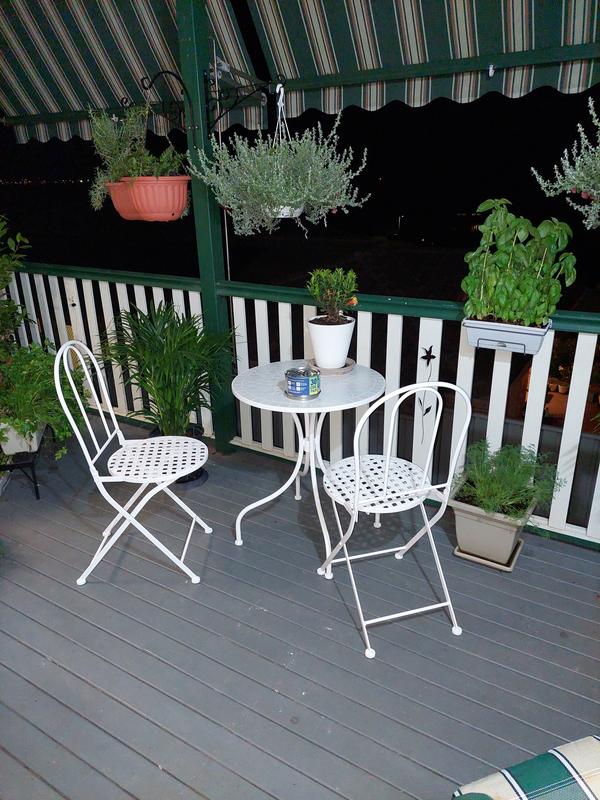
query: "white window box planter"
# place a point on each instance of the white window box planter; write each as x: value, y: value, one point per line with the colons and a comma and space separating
x: 502, y: 336
x: 19, y: 444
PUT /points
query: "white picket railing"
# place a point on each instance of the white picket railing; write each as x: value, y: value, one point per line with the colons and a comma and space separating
x: 65, y: 307
x: 81, y: 304
x: 432, y: 334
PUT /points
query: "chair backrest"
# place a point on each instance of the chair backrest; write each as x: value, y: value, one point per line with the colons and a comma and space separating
x: 426, y: 395
x: 74, y: 355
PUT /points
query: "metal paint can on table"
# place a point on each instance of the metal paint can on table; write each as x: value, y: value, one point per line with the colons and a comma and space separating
x: 303, y: 383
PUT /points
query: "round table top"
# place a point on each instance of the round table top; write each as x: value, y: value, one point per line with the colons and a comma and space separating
x: 263, y: 387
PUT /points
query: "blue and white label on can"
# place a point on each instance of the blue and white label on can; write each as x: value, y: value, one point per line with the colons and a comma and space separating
x: 303, y: 383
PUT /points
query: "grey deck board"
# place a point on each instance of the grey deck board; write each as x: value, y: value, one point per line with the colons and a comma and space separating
x: 19, y: 781
x: 253, y: 684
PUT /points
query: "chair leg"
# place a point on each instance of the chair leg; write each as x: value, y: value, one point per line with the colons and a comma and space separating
x: 324, y: 568
x: 127, y: 506
x: 369, y: 652
x: 188, y: 510
x: 130, y: 519
x: 103, y: 548
x: 456, y: 629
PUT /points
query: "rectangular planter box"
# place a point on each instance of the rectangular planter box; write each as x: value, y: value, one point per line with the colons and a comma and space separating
x: 18, y: 444
x: 502, y: 336
x: 492, y: 537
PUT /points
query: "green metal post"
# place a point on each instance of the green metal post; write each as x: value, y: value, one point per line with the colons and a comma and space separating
x: 195, y: 57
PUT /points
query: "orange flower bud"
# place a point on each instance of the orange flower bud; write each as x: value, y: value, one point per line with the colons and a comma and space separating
x: 353, y: 301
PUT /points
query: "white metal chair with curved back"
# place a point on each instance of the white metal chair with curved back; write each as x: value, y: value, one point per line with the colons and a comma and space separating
x: 385, y: 484
x: 152, y: 464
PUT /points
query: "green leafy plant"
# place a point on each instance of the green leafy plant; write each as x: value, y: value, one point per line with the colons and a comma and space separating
x: 508, y: 481
x: 578, y: 176
x: 334, y: 291
x: 11, y: 314
x: 120, y: 144
x: 28, y: 398
x: 253, y: 181
x: 173, y: 359
x: 515, y: 274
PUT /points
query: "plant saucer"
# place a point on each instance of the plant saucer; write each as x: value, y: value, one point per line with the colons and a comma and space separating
x: 348, y: 367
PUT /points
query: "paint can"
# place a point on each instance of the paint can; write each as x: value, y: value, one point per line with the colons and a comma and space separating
x: 303, y: 383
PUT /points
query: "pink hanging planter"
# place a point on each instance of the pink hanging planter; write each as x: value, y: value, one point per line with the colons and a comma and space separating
x: 120, y: 194
x: 160, y: 199
x: 150, y: 199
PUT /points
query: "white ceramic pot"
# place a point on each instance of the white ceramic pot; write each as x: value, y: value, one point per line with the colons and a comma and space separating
x: 287, y: 212
x: 19, y: 444
x: 330, y: 343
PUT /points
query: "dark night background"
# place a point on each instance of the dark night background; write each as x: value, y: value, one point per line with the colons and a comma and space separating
x: 429, y: 166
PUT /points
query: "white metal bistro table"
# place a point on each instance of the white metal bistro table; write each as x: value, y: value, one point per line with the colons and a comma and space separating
x: 263, y: 387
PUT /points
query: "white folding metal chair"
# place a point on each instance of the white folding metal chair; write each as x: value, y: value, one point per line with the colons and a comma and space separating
x: 385, y: 484
x: 152, y: 464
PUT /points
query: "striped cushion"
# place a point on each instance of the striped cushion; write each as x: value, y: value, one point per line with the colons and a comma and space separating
x: 568, y: 772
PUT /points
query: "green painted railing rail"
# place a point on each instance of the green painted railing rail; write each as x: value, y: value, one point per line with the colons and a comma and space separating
x: 112, y: 276
x: 573, y: 321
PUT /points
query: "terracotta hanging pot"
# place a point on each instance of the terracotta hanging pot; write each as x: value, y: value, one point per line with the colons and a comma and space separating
x: 120, y: 194
x: 160, y: 199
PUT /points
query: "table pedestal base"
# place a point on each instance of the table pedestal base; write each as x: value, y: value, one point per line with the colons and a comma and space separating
x: 309, y: 446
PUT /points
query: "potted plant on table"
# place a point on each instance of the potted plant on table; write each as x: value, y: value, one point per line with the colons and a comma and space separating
x: 142, y: 186
x: 334, y: 291
x: 578, y: 176
x: 173, y: 359
x: 514, y: 280
x: 275, y: 177
x: 494, y: 497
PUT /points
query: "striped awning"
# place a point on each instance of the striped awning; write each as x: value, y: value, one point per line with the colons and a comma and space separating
x: 60, y: 57
x: 337, y: 53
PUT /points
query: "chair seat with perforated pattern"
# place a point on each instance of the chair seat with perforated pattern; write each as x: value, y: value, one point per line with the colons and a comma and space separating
x: 340, y: 478
x: 161, y: 458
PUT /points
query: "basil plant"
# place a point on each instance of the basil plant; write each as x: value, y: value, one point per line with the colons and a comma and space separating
x: 516, y: 273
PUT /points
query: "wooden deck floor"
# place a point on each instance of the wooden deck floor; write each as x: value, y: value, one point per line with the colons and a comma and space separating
x: 253, y: 684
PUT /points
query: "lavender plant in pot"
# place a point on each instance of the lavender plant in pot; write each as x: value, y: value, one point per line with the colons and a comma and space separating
x: 334, y: 291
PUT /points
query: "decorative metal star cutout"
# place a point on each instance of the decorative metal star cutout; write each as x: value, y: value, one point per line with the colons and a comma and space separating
x: 428, y: 357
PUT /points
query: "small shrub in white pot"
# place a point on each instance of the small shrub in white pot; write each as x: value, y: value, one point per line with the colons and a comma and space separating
x: 494, y: 497
x: 334, y: 291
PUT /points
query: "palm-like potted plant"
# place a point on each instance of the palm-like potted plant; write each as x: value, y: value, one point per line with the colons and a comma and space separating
x: 494, y: 497
x: 173, y: 359
x: 275, y: 177
x: 578, y: 176
x: 334, y: 291
x: 142, y: 186
x: 515, y: 279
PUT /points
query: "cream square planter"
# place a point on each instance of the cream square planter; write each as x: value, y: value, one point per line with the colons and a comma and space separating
x: 491, y: 538
x: 19, y: 444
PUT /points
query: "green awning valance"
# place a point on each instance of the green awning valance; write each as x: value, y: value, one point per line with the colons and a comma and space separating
x: 369, y: 52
